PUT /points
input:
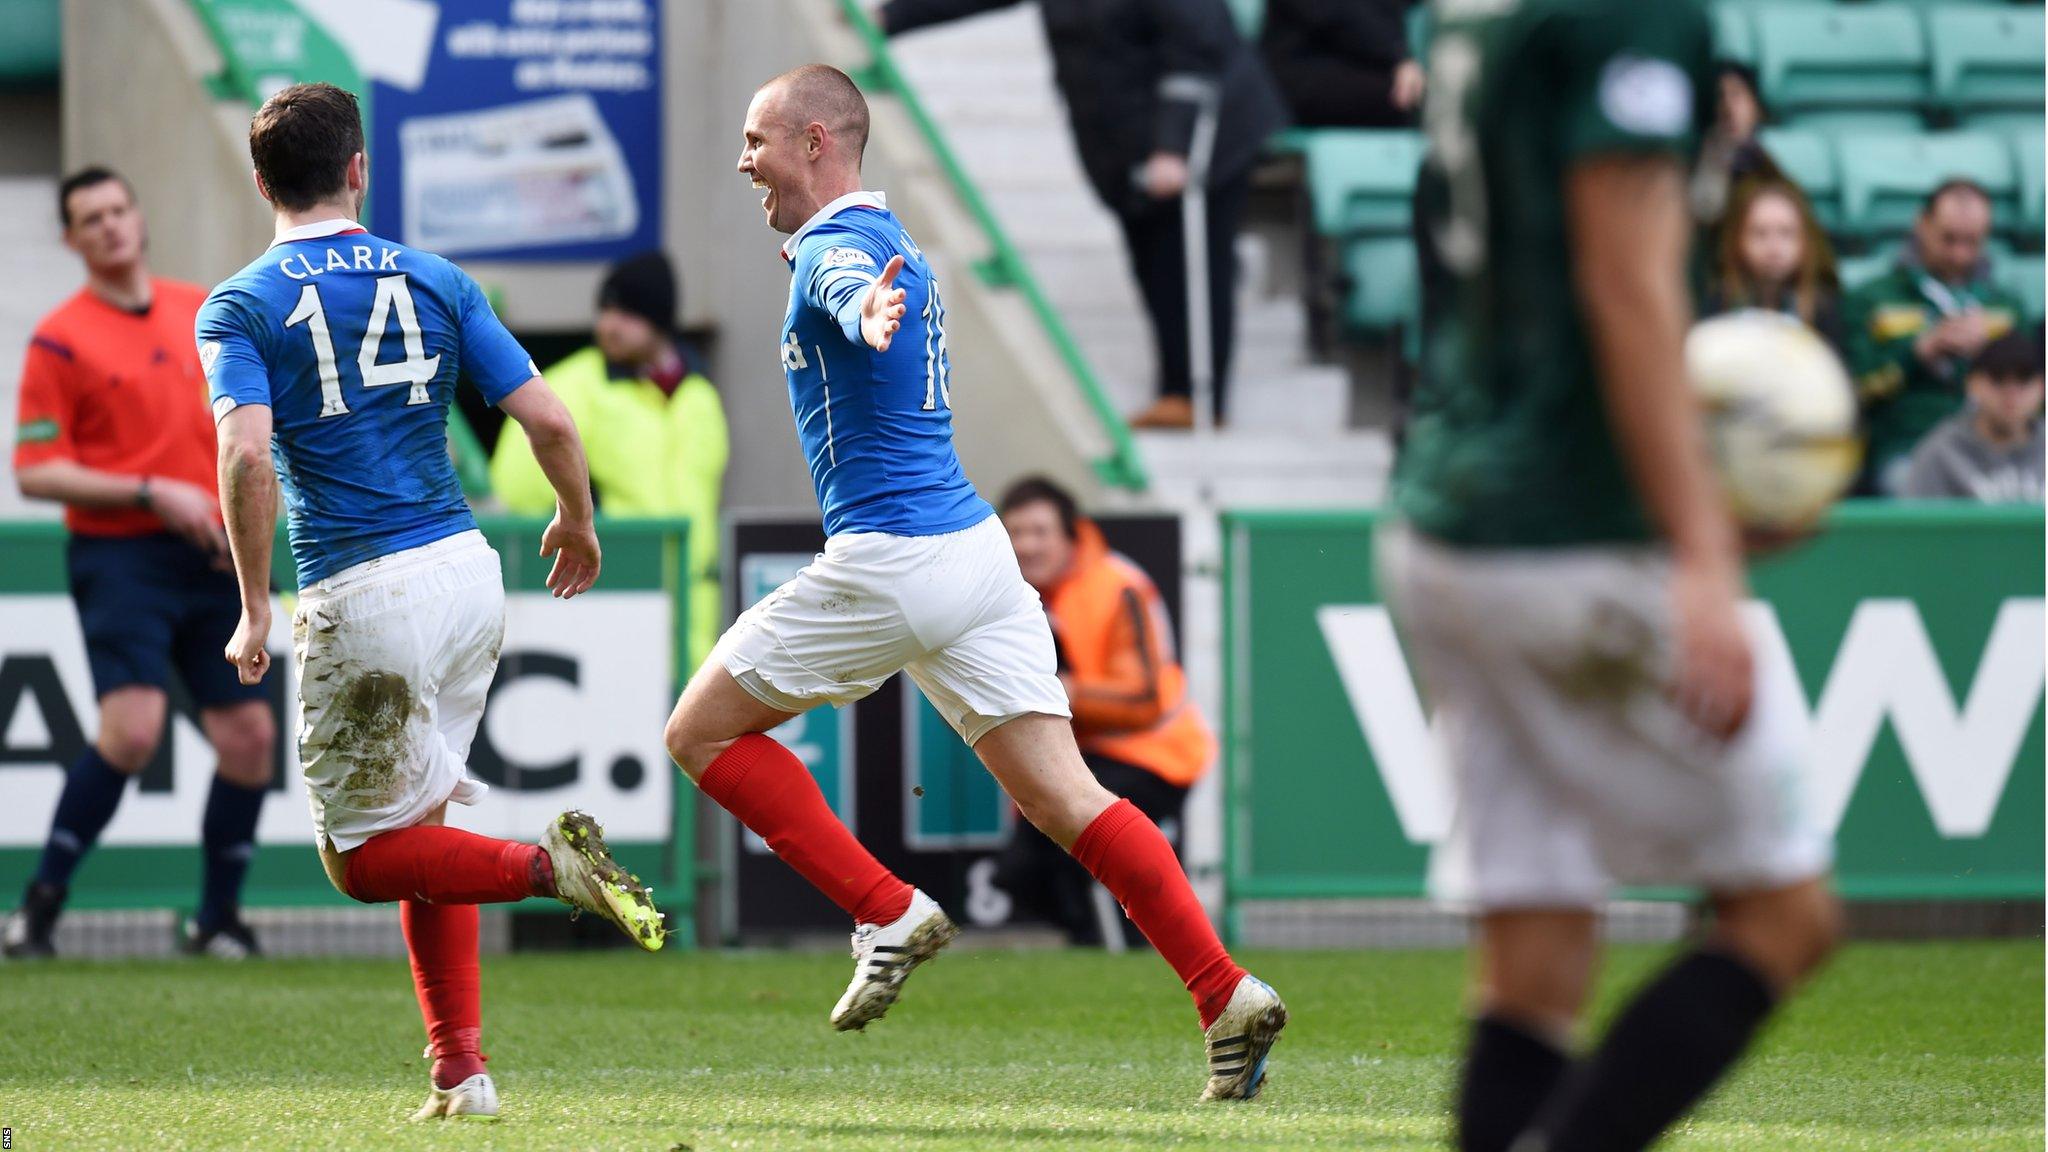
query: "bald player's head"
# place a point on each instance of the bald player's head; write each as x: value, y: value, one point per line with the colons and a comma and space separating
x: 822, y: 94
x: 805, y: 132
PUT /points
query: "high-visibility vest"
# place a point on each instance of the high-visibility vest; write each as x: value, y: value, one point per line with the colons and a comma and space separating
x: 1126, y: 686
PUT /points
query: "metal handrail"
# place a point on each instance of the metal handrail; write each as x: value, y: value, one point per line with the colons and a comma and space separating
x: 1003, y: 267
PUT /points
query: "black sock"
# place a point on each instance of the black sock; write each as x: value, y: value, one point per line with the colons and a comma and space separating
x: 1509, y: 1072
x: 228, y: 837
x: 1669, y: 1046
x: 92, y: 790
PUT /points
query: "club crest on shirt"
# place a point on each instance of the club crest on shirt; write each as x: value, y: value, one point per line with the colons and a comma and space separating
x: 846, y: 258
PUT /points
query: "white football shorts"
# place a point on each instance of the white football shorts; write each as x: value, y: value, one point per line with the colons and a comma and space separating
x: 1572, y: 768
x: 953, y: 611
x: 395, y: 657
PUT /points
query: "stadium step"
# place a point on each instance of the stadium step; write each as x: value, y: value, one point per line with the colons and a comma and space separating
x: 988, y: 82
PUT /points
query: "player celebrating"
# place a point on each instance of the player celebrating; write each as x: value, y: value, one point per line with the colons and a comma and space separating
x: 917, y: 576
x: 1567, y: 577
x: 346, y: 348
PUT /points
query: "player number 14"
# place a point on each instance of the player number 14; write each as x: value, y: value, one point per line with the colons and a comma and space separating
x: 417, y: 369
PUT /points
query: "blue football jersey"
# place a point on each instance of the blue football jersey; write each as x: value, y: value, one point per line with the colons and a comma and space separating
x: 355, y: 342
x: 876, y: 427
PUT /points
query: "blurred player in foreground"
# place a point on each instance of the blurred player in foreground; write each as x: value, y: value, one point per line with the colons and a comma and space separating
x: 346, y: 347
x: 917, y: 577
x: 113, y: 426
x: 1568, y: 577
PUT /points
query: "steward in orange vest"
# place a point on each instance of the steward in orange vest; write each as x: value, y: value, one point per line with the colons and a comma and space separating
x: 1137, y: 729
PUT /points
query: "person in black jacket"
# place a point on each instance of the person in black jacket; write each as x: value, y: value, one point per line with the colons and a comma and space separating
x: 1136, y: 76
x: 1343, y: 63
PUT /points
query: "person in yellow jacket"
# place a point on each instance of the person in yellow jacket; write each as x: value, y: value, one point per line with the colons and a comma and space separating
x: 1137, y: 729
x: 652, y: 426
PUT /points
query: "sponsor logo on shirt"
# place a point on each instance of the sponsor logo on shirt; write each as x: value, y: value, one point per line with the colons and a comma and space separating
x: 847, y: 258
x: 1646, y: 96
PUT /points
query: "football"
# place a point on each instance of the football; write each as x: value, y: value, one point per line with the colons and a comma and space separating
x: 1780, y: 414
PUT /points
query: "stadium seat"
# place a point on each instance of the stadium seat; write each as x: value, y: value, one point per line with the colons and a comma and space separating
x: 1987, y: 57
x: 1856, y: 271
x: 1812, y: 56
x: 1885, y: 178
x: 1859, y: 121
x: 2030, y: 150
x: 1385, y: 289
x: 2027, y: 278
x: 1734, y: 36
x: 1809, y: 159
x: 1250, y: 16
x: 29, y: 52
x: 1360, y: 181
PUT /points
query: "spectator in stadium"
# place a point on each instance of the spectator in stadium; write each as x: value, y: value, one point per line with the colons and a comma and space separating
x: 1771, y: 253
x: 1913, y: 331
x: 652, y: 426
x: 114, y: 425
x: 1739, y: 115
x: 1343, y: 63
x: 1992, y: 451
x: 1137, y: 729
x: 1138, y: 76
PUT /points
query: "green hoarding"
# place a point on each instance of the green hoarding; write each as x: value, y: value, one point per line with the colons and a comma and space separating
x: 1915, y: 630
x: 574, y: 720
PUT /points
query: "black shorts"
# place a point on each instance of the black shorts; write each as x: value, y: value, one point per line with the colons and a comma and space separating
x: 152, y: 604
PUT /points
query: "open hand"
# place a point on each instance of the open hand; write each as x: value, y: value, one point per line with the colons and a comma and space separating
x: 577, y: 557
x: 881, y: 311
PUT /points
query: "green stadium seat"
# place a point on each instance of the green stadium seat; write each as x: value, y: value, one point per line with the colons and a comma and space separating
x: 2027, y: 278
x: 1385, y: 288
x: 30, y: 51
x: 1885, y: 178
x: 1250, y: 16
x: 1809, y: 159
x: 1420, y: 25
x: 2030, y: 153
x: 1813, y: 56
x: 1734, y: 35
x: 1856, y: 271
x: 1859, y: 121
x: 2003, y: 121
x: 1987, y: 57
x: 1361, y: 181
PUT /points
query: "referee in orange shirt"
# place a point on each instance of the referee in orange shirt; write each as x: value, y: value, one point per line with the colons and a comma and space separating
x: 114, y: 425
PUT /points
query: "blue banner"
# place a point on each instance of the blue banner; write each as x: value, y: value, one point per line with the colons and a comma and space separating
x: 519, y: 130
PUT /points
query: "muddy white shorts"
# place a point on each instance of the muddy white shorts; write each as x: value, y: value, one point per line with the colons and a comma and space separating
x: 953, y: 611
x: 1572, y: 768
x: 395, y: 658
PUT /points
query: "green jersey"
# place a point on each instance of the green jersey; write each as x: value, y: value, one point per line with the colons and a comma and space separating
x: 1508, y: 443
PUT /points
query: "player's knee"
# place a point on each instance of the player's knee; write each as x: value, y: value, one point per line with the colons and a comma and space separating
x: 127, y: 747
x: 1785, y: 935
x: 688, y: 747
x: 246, y: 743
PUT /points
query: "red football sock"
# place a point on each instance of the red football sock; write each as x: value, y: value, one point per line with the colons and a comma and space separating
x: 771, y: 792
x: 442, y: 941
x: 1125, y: 851
x: 442, y: 865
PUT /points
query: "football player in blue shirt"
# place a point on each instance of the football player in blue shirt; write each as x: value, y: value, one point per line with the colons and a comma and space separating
x: 333, y: 359
x: 917, y: 576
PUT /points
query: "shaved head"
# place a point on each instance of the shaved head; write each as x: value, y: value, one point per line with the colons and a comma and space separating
x: 822, y: 94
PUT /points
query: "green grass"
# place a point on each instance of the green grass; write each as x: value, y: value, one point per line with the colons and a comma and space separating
x: 1898, y: 1047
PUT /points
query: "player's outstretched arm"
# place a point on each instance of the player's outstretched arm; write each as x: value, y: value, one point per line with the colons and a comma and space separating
x: 248, y: 502
x: 1630, y: 231
x: 881, y: 310
x: 572, y: 538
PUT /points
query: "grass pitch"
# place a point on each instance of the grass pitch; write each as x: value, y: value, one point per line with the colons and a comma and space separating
x: 1916, y: 1047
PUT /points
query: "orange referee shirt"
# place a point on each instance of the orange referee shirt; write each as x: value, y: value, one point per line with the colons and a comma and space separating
x: 118, y: 392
